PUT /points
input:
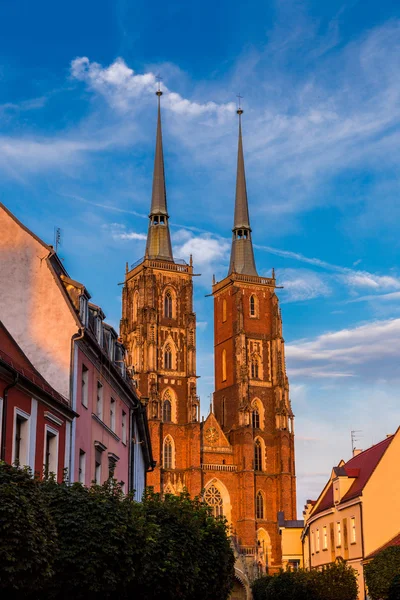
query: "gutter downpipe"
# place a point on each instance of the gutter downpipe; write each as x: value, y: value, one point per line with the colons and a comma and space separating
x: 4, y: 415
x: 75, y: 338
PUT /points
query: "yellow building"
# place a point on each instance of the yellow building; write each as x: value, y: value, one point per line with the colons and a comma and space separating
x: 290, y: 532
x: 357, y: 511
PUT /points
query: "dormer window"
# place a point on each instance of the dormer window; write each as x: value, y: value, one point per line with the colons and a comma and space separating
x: 99, y: 329
x: 83, y: 309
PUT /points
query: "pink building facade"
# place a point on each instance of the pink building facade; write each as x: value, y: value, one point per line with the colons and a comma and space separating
x: 79, y: 355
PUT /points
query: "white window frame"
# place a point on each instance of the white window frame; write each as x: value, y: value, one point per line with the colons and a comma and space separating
x: 82, y: 466
x: 353, y: 530
x: 318, y: 541
x: 99, y: 404
x: 338, y: 534
x: 18, y: 412
x: 113, y: 405
x: 84, y: 385
x: 325, y: 538
x: 56, y: 434
x: 124, y: 433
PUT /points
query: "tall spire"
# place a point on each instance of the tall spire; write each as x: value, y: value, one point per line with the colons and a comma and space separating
x: 242, y: 255
x: 158, y: 237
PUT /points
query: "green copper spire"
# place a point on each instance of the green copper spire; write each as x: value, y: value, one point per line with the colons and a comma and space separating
x: 158, y: 237
x: 242, y: 255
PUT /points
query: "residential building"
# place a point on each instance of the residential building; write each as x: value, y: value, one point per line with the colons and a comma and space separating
x: 35, y: 420
x: 242, y: 455
x: 68, y: 342
x: 357, y: 511
x: 292, y: 550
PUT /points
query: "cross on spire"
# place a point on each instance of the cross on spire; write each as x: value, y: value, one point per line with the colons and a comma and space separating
x: 159, y: 80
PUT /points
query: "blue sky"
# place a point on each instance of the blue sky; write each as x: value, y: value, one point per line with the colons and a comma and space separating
x: 321, y: 87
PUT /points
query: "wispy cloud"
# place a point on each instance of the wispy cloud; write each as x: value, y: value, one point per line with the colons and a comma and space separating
x: 121, y: 87
x: 369, y: 351
x: 301, y: 284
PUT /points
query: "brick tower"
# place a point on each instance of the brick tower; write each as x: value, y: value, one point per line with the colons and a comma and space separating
x: 158, y: 327
x: 251, y: 396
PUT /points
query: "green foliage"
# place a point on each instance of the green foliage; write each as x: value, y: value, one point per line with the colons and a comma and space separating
x: 189, y: 556
x: 101, y: 535
x: 60, y: 541
x: 28, y: 541
x: 335, y: 582
x: 259, y: 587
x: 394, y: 590
x: 381, y: 571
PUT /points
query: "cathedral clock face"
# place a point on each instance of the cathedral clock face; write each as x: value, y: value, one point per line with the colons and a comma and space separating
x: 211, y: 435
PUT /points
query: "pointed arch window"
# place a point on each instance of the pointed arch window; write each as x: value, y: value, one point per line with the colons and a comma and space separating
x: 253, y: 305
x: 166, y: 411
x: 259, y: 506
x: 257, y: 456
x: 255, y: 367
x: 212, y: 497
x: 223, y: 310
x: 224, y: 365
x: 168, y: 357
x: 256, y: 419
x: 168, y: 450
x: 135, y: 306
x: 168, y: 304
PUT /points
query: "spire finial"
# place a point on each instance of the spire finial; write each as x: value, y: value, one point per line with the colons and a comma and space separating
x: 239, y: 109
x: 159, y: 80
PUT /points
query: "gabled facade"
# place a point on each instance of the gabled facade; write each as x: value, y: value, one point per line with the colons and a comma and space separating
x: 357, y: 511
x: 35, y: 420
x: 241, y: 458
x: 69, y: 344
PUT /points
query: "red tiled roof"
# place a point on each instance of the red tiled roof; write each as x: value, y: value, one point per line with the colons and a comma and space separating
x: 25, y: 368
x: 360, y: 468
x: 393, y: 542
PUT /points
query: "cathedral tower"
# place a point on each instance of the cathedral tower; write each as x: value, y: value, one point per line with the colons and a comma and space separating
x: 158, y: 327
x: 251, y: 396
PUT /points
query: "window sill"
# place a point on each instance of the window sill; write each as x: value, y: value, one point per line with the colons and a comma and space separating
x: 353, y: 543
x: 110, y: 431
x: 324, y: 549
x: 84, y: 406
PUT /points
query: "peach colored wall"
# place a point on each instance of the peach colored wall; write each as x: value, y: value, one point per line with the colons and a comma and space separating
x: 291, y: 545
x: 381, y: 500
x: 89, y: 429
x: 32, y: 306
x: 352, y: 554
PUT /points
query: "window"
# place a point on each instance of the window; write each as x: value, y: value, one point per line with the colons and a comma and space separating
x: 99, y: 402
x: 168, y: 305
x: 112, y: 463
x: 167, y: 357
x: 325, y: 538
x: 317, y: 547
x: 167, y: 454
x: 223, y: 310
x: 123, y: 428
x: 212, y: 497
x: 259, y: 506
x: 252, y: 306
x: 85, y: 386
x: 50, y: 452
x: 257, y: 456
x: 99, y: 448
x: 21, y: 442
x: 338, y: 534
x: 112, y: 414
x: 135, y: 306
x: 83, y: 309
x: 224, y: 365
x: 256, y: 419
x: 353, y: 530
x: 254, y: 368
x: 82, y: 466
x: 166, y: 413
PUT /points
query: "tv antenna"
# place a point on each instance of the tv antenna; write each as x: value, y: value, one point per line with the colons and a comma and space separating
x: 57, y: 238
x: 355, y: 438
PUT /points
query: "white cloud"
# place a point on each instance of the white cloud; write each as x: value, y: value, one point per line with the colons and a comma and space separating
x: 301, y: 284
x: 369, y: 351
x: 204, y: 249
x: 121, y: 87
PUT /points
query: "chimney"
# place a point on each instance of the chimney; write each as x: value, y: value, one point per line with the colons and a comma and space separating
x: 356, y: 451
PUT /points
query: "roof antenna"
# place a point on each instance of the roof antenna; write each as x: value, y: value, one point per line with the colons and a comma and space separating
x: 355, y: 438
x: 57, y: 237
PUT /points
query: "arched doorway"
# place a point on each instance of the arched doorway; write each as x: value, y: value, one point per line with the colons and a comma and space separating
x: 238, y: 591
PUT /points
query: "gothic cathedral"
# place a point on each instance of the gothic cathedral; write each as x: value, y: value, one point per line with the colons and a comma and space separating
x: 241, y: 457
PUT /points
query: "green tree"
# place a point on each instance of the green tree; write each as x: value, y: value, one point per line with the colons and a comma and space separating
x: 189, y: 554
x: 381, y: 571
x: 28, y: 541
x: 394, y: 590
x: 259, y: 587
x: 336, y: 581
x: 101, y: 535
